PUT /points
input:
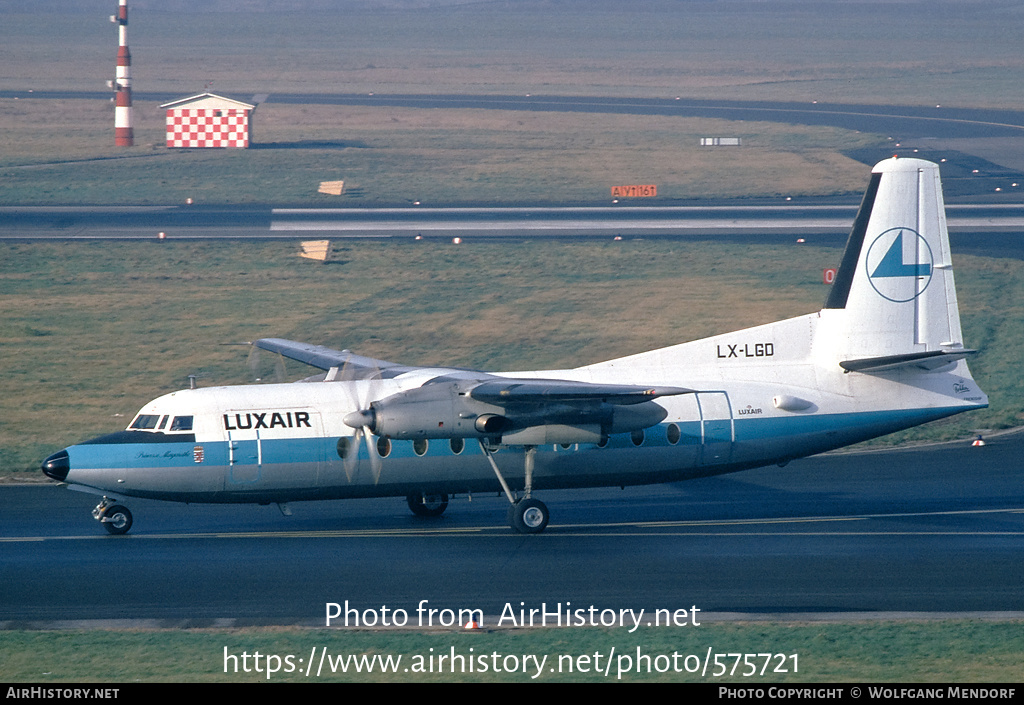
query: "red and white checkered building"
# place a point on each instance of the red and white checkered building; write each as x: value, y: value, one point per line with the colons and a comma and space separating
x: 208, y: 120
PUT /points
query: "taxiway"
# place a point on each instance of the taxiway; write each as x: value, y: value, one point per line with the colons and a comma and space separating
x: 931, y: 530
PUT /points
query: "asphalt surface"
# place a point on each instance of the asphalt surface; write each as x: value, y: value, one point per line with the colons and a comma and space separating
x: 904, y: 121
x: 994, y: 229
x: 934, y: 530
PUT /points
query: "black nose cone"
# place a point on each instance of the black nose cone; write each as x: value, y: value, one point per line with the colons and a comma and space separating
x: 57, y: 466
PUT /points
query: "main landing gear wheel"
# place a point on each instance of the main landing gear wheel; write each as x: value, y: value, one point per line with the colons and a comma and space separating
x: 529, y: 516
x: 117, y: 519
x: 427, y: 505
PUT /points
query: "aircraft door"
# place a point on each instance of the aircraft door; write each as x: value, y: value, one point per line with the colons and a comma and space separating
x: 244, y: 457
x: 274, y: 449
x: 717, y: 431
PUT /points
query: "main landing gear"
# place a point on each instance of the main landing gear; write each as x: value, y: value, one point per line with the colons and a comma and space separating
x: 526, y: 515
x: 115, y: 518
x: 427, y: 505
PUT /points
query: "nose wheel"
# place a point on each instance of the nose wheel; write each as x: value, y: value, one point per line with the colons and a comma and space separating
x: 115, y: 518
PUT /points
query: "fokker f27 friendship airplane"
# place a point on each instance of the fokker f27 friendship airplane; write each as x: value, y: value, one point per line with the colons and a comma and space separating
x: 885, y: 353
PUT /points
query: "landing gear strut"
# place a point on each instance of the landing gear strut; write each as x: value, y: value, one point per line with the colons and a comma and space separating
x: 526, y: 515
x: 115, y: 518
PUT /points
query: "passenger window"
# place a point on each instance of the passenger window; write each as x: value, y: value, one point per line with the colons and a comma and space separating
x: 637, y: 437
x: 419, y: 446
x: 181, y: 423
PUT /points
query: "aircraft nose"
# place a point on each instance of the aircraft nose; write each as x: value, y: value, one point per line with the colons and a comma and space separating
x: 57, y: 466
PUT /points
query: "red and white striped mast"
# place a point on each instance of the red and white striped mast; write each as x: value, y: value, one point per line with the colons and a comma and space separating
x: 123, y: 133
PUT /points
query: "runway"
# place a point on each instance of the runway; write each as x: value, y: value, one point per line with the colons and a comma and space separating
x: 933, y: 530
x: 25, y: 223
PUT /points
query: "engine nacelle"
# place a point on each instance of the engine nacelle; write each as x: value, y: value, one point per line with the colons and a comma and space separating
x: 549, y: 434
x: 439, y: 410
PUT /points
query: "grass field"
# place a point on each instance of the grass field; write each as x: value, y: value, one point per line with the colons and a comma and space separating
x: 400, y: 155
x: 91, y: 331
x: 955, y: 651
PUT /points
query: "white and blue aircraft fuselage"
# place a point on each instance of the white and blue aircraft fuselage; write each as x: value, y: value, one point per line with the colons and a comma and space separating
x: 885, y: 353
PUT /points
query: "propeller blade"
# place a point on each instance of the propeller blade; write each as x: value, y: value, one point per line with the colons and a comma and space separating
x: 351, y: 457
x: 366, y: 417
x: 280, y: 373
x: 253, y: 363
x: 376, y: 463
x: 361, y: 393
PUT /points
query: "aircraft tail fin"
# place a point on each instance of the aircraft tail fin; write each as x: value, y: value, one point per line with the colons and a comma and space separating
x: 893, y: 302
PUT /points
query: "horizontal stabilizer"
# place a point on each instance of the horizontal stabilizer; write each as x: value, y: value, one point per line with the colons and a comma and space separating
x: 931, y: 360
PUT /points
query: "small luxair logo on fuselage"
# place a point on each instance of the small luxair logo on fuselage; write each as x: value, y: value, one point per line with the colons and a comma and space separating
x: 899, y: 264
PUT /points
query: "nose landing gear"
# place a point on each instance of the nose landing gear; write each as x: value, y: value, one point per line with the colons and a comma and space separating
x: 115, y: 518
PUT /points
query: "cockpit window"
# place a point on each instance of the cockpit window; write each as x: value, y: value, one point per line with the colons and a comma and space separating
x: 181, y: 423
x: 145, y: 422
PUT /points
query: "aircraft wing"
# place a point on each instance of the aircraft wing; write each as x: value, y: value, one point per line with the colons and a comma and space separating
x: 490, y: 388
x: 535, y: 391
x: 352, y: 366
